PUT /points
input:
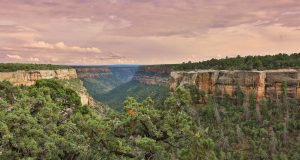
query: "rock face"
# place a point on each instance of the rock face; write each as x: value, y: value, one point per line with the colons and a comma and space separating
x: 152, y: 75
x: 123, y: 73
x: 150, y: 80
x: 92, y: 72
x: 28, y: 78
x: 264, y: 84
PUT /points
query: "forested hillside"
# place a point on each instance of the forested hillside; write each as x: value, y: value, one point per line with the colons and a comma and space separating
x: 245, y: 63
x: 47, y: 121
x: 243, y: 128
x: 10, y: 67
x: 139, y: 91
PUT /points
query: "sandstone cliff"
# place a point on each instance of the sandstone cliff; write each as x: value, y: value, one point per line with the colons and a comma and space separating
x: 151, y: 80
x: 28, y: 78
x: 152, y: 75
x: 266, y: 84
x: 123, y: 73
x: 92, y: 72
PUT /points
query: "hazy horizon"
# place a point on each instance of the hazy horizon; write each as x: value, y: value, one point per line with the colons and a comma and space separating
x: 108, y: 32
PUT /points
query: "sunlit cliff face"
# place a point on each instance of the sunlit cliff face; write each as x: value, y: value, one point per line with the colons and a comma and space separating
x: 144, y: 31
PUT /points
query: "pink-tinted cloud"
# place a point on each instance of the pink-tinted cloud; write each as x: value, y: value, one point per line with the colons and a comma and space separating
x: 145, y: 31
x: 60, y: 46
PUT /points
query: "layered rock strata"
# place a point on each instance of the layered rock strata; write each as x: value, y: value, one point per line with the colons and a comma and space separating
x: 28, y: 78
x: 264, y: 84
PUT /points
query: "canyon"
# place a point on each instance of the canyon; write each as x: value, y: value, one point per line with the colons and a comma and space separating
x: 28, y: 78
x: 113, y: 83
x: 264, y: 84
x: 104, y: 82
x: 152, y: 75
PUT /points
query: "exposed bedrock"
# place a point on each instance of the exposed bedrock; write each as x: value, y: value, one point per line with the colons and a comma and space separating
x: 266, y: 83
x: 28, y: 78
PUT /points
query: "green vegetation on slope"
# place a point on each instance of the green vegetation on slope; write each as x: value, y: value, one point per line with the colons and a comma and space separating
x: 140, y: 91
x: 10, y: 67
x: 98, y: 86
x: 246, y: 63
x: 47, y: 121
x: 243, y: 129
x: 74, y: 84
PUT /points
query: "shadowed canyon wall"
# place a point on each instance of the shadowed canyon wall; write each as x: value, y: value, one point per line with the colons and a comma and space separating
x: 152, y: 75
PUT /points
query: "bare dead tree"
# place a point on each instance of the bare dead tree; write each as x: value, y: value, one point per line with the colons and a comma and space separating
x: 239, y: 133
x: 273, y: 141
x: 258, y: 114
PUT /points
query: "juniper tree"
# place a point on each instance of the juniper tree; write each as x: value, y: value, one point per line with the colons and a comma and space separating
x: 223, y: 141
x: 285, y: 128
x: 239, y: 134
x: 239, y: 95
x: 246, y: 113
x: 252, y: 100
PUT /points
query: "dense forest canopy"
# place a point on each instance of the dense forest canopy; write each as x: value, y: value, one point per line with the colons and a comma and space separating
x: 10, y: 67
x: 47, y: 121
x: 244, y: 128
x: 245, y: 63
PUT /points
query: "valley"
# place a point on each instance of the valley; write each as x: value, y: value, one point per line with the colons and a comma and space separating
x: 149, y: 80
x: 112, y: 84
x: 227, y: 114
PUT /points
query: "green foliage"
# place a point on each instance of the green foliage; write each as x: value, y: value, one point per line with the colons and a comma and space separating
x: 10, y: 67
x: 47, y: 121
x: 99, y: 86
x: 259, y: 135
x: 134, y: 89
x: 239, y: 95
x: 246, y: 63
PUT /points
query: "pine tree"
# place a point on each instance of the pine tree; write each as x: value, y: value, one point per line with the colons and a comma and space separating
x: 285, y: 128
x: 246, y: 113
x: 273, y: 142
x: 239, y: 95
x: 284, y: 91
x: 252, y: 100
x: 217, y: 113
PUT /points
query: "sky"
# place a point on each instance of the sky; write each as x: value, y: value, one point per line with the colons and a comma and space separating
x: 99, y: 32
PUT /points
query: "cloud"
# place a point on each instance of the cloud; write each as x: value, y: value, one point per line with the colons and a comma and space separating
x: 145, y: 31
x: 34, y: 59
x: 13, y: 56
x: 62, y: 47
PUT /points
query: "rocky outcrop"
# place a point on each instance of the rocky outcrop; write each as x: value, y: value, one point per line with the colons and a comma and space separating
x: 266, y: 84
x: 152, y: 75
x: 123, y: 73
x: 28, y: 78
x: 151, y: 80
x: 92, y: 72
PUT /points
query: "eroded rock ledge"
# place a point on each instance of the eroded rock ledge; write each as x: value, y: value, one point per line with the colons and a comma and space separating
x: 266, y: 83
x: 28, y: 78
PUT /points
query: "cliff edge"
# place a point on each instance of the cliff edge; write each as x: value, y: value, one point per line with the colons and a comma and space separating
x: 28, y: 78
x: 264, y: 84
